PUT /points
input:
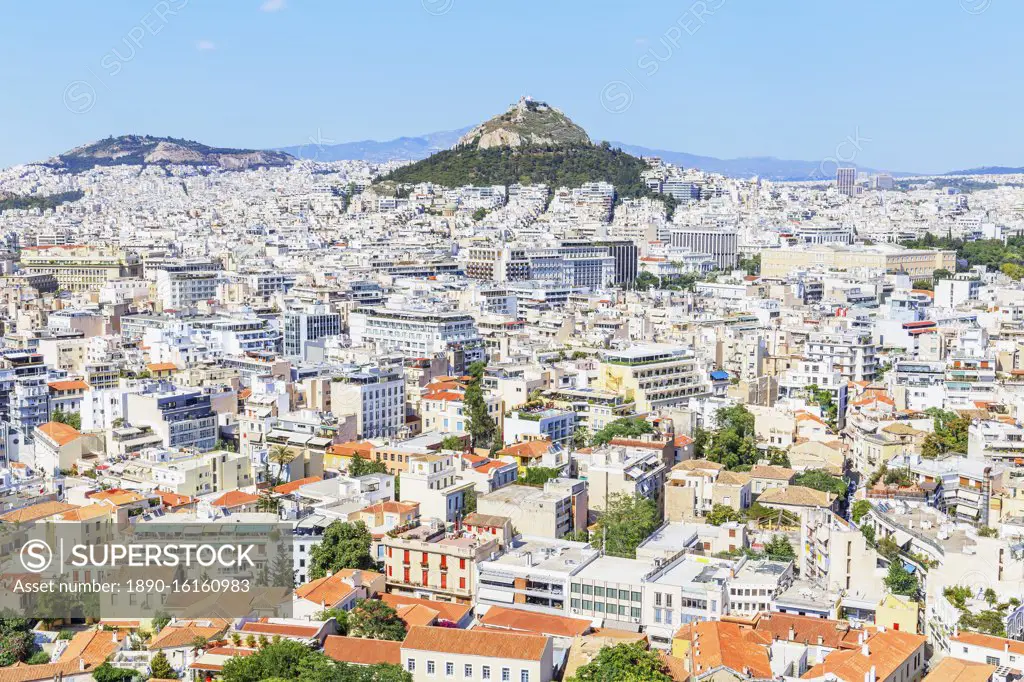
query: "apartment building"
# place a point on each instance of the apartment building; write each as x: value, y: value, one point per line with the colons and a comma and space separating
x: 183, y: 418
x: 622, y: 470
x: 375, y: 395
x: 301, y: 327
x: 433, y: 481
x: 80, y: 268
x: 558, y: 508
x: 418, y: 333
x: 652, y: 376
x: 428, y: 562
x: 430, y: 653
x: 851, y: 354
x: 833, y: 256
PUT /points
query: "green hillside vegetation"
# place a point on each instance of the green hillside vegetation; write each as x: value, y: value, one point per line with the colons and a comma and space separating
x: 40, y: 202
x: 555, y: 166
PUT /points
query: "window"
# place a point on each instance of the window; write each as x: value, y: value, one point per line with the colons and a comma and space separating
x: 449, y: 669
x: 410, y: 664
x: 575, y: 587
x: 634, y: 612
x: 992, y: 660
x: 598, y: 591
x: 668, y: 600
x: 637, y: 597
x: 622, y: 610
x: 506, y: 674
x: 575, y: 603
x: 588, y: 605
x: 430, y: 667
x: 588, y: 589
x: 599, y: 606
x: 467, y: 671
x: 485, y: 672
x: 657, y: 599
x: 524, y: 676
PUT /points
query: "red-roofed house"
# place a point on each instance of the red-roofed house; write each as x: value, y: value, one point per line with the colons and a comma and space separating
x: 59, y: 447
x: 236, y: 501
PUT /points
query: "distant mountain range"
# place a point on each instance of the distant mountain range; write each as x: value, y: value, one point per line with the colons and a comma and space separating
x: 147, y: 150
x: 375, y: 151
x: 988, y: 170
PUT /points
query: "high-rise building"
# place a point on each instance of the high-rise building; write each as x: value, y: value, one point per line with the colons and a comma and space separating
x: 302, y: 327
x: 846, y: 181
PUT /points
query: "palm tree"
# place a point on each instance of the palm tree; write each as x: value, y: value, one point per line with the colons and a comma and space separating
x: 280, y: 455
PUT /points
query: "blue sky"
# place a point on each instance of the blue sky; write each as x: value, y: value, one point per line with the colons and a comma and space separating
x: 922, y: 85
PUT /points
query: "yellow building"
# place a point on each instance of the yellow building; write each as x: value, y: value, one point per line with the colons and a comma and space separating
x: 78, y: 267
x: 885, y: 257
x: 652, y: 376
x: 897, y: 613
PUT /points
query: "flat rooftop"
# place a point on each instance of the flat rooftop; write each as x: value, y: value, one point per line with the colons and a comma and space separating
x: 612, y: 569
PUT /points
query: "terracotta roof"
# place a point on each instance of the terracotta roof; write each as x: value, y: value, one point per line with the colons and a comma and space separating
x: 87, y: 513
x: 448, y: 396
x: 538, y: 623
x: 887, y: 651
x: 488, y: 520
x: 775, y: 473
x: 173, y: 636
x: 116, y: 496
x: 989, y: 641
x: 449, y: 611
x: 955, y: 670
x: 391, y: 507
x: 696, y: 464
x: 675, y: 667
x: 162, y: 367
x: 683, y: 440
x: 38, y: 511
x: 476, y: 643
x: 733, y: 478
x: 61, y: 434
x: 353, y: 448
x: 173, y: 499
x: 717, y: 643
x: 796, y: 495
x: 534, y: 449
x: 417, y: 614
x: 288, y: 488
x: 805, y: 629
x: 235, y: 498
x: 299, y: 631
x: 71, y: 385
x: 332, y: 589
x: 363, y: 651
x: 92, y: 645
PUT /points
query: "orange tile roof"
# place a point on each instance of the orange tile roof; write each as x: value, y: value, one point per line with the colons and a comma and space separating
x: 331, y: 589
x: 391, y: 507
x: 162, y: 367
x: 92, y: 645
x: 417, y: 614
x: 534, y: 449
x: 71, y: 385
x: 887, y: 651
x: 717, y: 643
x: 352, y: 448
x: 363, y: 651
x: 59, y: 433
x: 956, y: 670
x: 447, y: 396
x: 235, y: 498
x: 449, y: 611
x: 87, y: 513
x: 805, y: 629
x: 989, y: 641
x: 116, y: 496
x: 476, y: 643
x: 682, y: 440
x: 174, y: 499
x: 288, y: 488
x: 173, y: 636
x: 538, y: 623
x: 38, y: 511
x: 299, y: 631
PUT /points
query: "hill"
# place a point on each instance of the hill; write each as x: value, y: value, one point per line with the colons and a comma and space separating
x: 375, y: 151
x: 988, y: 170
x: 147, y: 150
x: 530, y: 143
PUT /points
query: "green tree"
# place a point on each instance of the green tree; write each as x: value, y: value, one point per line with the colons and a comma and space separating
x: 582, y: 535
x: 161, y: 669
x: 538, y: 476
x: 281, y: 455
x: 16, y: 647
x: 345, y: 545
x: 108, y: 673
x: 779, y: 549
x: 721, y: 513
x: 452, y: 443
x: 374, y: 619
x: 626, y: 522
x: 627, y: 427
x: 580, y: 438
x: 901, y: 581
x: 629, y: 662
x: 360, y: 466
x: 924, y: 284
x: 819, y: 479
x: 339, y: 615
x: 1012, y: 270
x: 73, y: 419
x: 469, y: 502
x: 949, y: 433
x: 481, y: 425
x: 477, y: 369
x: 859, y: 510
x: 479, y: 214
